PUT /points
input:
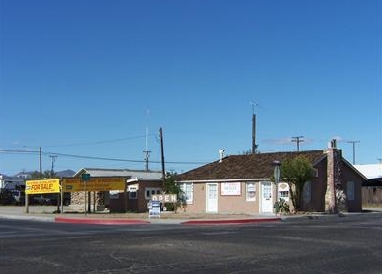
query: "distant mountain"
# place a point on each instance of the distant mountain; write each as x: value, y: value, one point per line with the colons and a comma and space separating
x: 65, y: 173
x: 24, y: 174
x: 59, y: 174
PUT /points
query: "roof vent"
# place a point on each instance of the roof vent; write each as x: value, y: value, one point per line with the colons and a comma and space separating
x: 221, y: 154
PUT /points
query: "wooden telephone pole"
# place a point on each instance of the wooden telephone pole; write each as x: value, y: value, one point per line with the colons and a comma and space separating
x: 162, y: 155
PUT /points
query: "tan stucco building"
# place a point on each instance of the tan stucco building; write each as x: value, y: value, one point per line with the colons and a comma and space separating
x: 245, y: 184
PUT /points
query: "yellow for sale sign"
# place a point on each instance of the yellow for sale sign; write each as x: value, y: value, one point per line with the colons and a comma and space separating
x: 42, y: 186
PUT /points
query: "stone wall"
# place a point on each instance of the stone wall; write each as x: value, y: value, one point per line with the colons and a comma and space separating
x: 77, y: 201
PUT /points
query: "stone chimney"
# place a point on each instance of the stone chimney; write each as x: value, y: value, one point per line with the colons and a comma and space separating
x: 333, y: 156
x: 221, y: 155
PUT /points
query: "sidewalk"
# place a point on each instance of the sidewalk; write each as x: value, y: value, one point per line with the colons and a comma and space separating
x: 46, y: 213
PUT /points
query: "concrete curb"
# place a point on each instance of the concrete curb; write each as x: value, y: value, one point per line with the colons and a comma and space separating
x: 99, y: 221
x: 29, y: 218
x: 93, y: 221
x: 232, y: 221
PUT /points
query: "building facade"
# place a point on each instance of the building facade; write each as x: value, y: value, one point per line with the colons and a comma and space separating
x: 245, y: 184
x: 139, y: 186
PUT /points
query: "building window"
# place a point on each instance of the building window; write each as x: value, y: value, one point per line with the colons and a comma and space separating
x: 307, y: 192
x: 315, y: 172
x: 151, y: 191
x: 133, y: 195
x: 188, y: 192
x: 350, y: 190
x: 250, y: 192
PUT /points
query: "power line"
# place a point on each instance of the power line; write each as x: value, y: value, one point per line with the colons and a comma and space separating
x: 19, y: 151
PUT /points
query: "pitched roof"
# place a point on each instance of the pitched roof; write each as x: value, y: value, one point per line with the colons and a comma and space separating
x: 373, y: 171
x: 252, y: 166
x: 104, y: 172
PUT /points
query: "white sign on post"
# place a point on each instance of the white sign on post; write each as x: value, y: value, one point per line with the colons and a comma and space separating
x: 154, y: 209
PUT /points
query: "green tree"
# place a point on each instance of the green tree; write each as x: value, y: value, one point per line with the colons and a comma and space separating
x: 246, y: 152
x: 296, y: 172
x: 45, y: 174
x: 171, y: 187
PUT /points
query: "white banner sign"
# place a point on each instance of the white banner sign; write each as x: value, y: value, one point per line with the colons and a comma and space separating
x: 230, y: 189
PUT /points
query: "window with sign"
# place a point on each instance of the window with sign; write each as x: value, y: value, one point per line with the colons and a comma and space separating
x: 188, y: 192
x: 152, y: 191
x: 284, y: 195
x: 250, y: 191
x: 283, y: 191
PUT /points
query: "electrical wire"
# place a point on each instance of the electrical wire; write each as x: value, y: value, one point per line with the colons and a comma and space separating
x: 21, y: 151
x: 102, y: 142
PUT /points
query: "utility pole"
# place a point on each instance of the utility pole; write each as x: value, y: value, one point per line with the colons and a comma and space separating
x: 40, y: 164
x: 353, y: 143
x: 162, y: 155
x: 254, y: 146
x: 298, y: 140
x: 53, y: 160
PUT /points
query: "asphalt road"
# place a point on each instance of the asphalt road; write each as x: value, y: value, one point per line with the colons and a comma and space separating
x: 351, y: 244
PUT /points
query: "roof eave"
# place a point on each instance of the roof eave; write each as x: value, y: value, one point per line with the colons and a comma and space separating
x: 224, y: 180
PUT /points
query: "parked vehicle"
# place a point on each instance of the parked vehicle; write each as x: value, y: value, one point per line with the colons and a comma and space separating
x: 40, y: 200
x: 18, y: 196
x: 6, y: 197
x: 49, y: 199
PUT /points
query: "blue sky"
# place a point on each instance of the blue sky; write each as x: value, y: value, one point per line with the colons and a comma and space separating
x: 90, y: 78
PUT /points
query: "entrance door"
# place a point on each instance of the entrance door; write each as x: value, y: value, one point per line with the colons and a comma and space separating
x: 212, y: 198
x: 266, y: 197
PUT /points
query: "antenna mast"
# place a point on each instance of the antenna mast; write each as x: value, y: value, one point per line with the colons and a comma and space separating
x: 147, y: 151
